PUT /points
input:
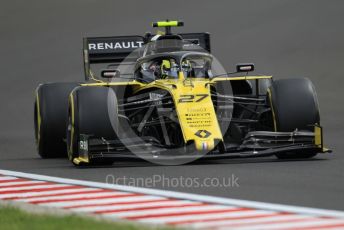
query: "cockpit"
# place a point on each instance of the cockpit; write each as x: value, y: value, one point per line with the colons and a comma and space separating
x: 168, y: 66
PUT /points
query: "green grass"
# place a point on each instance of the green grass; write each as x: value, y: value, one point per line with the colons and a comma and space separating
x: 16, y: 219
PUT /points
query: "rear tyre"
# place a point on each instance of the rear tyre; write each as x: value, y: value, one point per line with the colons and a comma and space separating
x: 91, y: 111
x: 50, y: 118
x: 294, y: 105
x: 263, y: 86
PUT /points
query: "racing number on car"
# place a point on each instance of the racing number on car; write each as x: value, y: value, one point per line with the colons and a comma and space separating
x: 185, y: 98
x: 83, y: 145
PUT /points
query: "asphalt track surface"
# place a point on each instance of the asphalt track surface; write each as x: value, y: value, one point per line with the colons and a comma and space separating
x: 41, y: 41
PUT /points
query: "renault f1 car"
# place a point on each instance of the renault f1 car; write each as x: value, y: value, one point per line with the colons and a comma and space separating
x: 158, y: 96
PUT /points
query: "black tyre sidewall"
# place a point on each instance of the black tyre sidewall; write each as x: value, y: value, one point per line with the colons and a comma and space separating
x: 295, y: 104
x: 52, y: 99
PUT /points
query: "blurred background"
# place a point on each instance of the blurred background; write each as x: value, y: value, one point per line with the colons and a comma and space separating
x: 41, y: 41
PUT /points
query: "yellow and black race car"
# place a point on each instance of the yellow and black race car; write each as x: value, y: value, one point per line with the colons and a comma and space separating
x: 164, y: 97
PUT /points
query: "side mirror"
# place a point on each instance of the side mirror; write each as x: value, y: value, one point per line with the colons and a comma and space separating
x: 244, y: 67
x: 110, y: 73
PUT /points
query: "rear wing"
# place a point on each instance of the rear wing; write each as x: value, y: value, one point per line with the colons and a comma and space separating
x: 109, y: 49
x: 116, y: 49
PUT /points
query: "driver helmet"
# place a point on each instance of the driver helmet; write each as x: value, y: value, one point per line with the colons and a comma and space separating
x: 165, y: 68
x: 186, y: 68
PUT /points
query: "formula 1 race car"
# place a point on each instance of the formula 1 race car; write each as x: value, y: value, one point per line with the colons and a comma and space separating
x: 162, y: 97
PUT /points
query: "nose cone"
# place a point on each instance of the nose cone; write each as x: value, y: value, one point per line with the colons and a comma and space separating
x: 204, y: 145
x: 196, y: 114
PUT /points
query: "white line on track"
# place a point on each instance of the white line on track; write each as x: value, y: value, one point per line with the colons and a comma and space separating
x: 77, y: 196
x: 164, y: 211
x: 20, y: 183
x: 44, y: 193
x: 131, y: 206
x: 101, y: 201
x: 8, y: 178
x: 234, y: 214
x: 34, y: 187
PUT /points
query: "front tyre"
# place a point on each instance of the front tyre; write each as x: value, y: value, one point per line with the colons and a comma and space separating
x: 91, y: 111
x: 294, y: 105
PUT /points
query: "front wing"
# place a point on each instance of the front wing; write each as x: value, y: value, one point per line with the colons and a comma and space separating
x: 255, y: 144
